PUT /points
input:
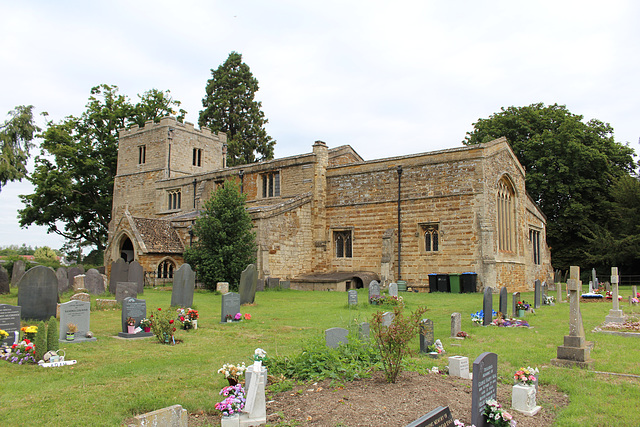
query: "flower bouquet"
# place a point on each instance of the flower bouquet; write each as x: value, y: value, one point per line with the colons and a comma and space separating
x: 29, y: 332
x: 496, y: 416
x: 232, y: 372
x: 260, y: 355
x: 522, y: 305
x: 526, y: 375
x: 22, y: 353
x: 234, y: 400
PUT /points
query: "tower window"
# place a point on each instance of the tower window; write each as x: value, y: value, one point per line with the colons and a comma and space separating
x: 175, y: 201
x: 142, y: 154
x: 271, y: 184
x: 197, y: 157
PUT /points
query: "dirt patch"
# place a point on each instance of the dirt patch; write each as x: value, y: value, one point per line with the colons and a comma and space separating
x: 374, y: 402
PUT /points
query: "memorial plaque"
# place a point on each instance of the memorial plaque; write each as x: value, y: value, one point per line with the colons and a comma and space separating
x: 5, y: 283
x: 484, y: 386
x: 503, y: 301
x: 9, y: 321
x: 136, y: 308
x: 78, y: 313
x: 119, y: 273
x: 456, y: 324
x: 439, y: 417
x: 230, y: 305
x: 352, y: 297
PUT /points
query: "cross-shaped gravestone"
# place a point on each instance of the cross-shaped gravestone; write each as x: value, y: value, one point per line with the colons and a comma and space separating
x: 615, y: 314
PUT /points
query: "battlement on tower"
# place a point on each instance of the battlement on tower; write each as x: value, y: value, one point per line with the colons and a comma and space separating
x: 171, y: 122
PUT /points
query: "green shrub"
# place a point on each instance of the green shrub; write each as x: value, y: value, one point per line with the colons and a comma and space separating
x: 52, y: 335
x: 41, y: 341
x: 163, y: 324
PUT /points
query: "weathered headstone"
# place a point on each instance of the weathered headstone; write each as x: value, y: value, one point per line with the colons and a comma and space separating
x: 9, y: 322
x: 487, y: 306
x: 17, y: 272
x: 63, y: 279
x: 78, y: 282
x: 136, y: 274
x: 137, y: 309
x: 5, y: 283
x: 393, y: 289
x: 119, y: 273
x: 537, y: 299
x: 352, y: 297
x: 230, y: 305
x: 615, y: 314
x: 285, y: 284
x: 387, y: 318
x: 439, y: 417
x: 594, y: 278
x: 574, y: 352
x: 364, y: 331
x: 174, y: 416
x: 94, y: 282
x: 456, y: 324
x: 248, y: 284
x: 559, y: 294
x: 634, y: 290
x: 222, y: 287
x: 503, y: 304
x: 374, y: 289
x: 184, y: 283
x: 333, y: 337
x: 78, y: 313
x: 81, y: 296
x: 72, y: 272
x: 516, y: 298
x: 126, y: 290
x: 484, y: 386
x: 260, y: 285
x: 38, y: 293
x: 426, y: 335
x: 459, y: 367
x: 273, y: 282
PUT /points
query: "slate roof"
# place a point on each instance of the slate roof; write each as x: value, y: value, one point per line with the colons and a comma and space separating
x: 158, y: 235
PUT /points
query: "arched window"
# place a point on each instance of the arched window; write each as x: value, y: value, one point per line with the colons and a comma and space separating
x: 342, y: 241
x: 431, y: 238
x: 165, y: 270
x: 506, y: 216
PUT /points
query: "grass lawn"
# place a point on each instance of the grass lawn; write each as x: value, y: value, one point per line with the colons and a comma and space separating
x: 115, y: 378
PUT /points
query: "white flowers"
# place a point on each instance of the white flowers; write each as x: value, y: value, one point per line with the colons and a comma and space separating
x: 232, y: 371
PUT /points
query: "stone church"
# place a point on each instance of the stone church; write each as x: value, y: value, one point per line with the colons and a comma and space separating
x: 329, y: 219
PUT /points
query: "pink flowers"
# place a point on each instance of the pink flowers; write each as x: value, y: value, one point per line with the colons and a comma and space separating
x: 238, y: 316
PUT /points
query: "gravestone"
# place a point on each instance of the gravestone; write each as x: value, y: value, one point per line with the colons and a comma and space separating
x: 516, y: 298
x: 484, y: 386
x: 78, y: 282
x: 81, y: 296
x: 10, y: 322
x: 38, y: 293
x: 387, y: 318
x: 254, y: 412
x: 615, y: 314
x: 17, y: 272
x: 222, y: 287
x: 248, y: 284
x: 426, y: 335
x: 575, y: 351
x: 260, y: 285
x: 94, y: 282
x: 352, y: 297
x: 393, y: 289
x: 78, y: 313
x: 634, y: 290
x: 439, y: 417
x: 364, y: 331
x: 459, y: 367
x: 119, y: 273
x: 559, y: 294
x: 174, y: 416
x: 537, y: 299
x: 456, y: 324
x: 136, y: 275
x: 136, y: 308
x: 5, y: 283
x: 273, y: 282
x: 594, y: 278
x: 63, y: 279
x: 374, y: 289
x: 126, y: 290
x: 230, y: 305
x: 487, y: 306
x: 184, y: 283
x: 503, y: 301
x: 72, y: 272
x: 285, y: 284
x: 333, y: 337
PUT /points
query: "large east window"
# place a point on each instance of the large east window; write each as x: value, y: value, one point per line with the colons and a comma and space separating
x: 271, y: 184
x: 175, y: 201
x: 505, y: 205
x: 342, y: 243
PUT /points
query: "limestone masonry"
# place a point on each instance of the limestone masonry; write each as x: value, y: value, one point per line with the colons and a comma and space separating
x: 461, y: 210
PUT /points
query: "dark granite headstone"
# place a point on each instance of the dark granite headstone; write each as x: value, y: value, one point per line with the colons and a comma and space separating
x: 136, y: 308
x: 537, y: 300
x: 374, y: 289
x: 126, y: 290
x: 230, y: 305
x: 9, y: 321
x: 184, y: 282
x: 439, y: 417
x: 17, y: 272
x: 248, y: 285
x: 352, y: 297
x: 119, y: 273
x: 78, y: 313
x: 335, y: 336
x: 63, y: 279
x: 94, y: 282
x: 136, y: 274
x: 259, y: 285
x: 273, y: 282
x: 5, y: 283
x: 426, y: 335
x: 487, y: 307
x: 38, y: 293
x: 72, y: 272
x: 484, y: 386
x: 503, y: 301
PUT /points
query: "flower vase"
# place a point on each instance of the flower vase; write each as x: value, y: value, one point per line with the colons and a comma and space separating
x: 166, y: 338
x: 195, y: 323
x: 523, y: 399
x: 232, y: 381
x: 229, y: 321
x: 520, y: 313
x: 147, y: 329
x: 230, y: 421
x: 70, y: 336
x: 130, y: 329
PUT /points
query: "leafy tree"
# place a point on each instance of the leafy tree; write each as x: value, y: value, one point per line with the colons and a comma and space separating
x: 570, y: 167
x: 226, y: 242
x: 73, y: 177
x: 230, y: 106
x: 16, y: 135
x: 45, y: 253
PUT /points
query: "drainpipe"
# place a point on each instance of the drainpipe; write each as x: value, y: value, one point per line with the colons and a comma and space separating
x: 194, y: 192
x: 399, y: 169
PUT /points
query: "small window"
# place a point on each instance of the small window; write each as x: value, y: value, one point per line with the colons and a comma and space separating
x: 165, y: 270
x: 534, y: 238
x: 342, y: 243
x: 197, y: 157
x: 271, y: 184
x: 142, y: 154
x: 431, y: 237
x: 175, y: 201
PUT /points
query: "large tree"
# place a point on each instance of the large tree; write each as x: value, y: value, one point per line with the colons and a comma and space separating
x: 73, y: 177
x: 16, y: 135
x: 226, y: 242
x: 230, y: 106
x: 570, y: 168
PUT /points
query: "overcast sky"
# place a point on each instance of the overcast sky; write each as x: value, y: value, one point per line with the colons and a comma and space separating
x: 387, y: 78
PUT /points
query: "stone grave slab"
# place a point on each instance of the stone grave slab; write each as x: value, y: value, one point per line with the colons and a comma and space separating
x: 174, y: 416
x: 484, y: 386
x: 514, y: 301
x: 439, y: 417
x: 273, y: 282
x: 259, y: 285
x: 426, y: 335
x: 487, y: 306
x: 503, y: 301
x: 125, y: 290
x: 119, y: 273
x: 364, y: 331
x: 537, y: 298
x: 78, y: 282
x: 38, y: 293
x: 285, y: 284
x: 374, y: 289
x: 63, y: 279
x: 333, y: 337
x: 5, y: 283
x: 352, y: 297
x: 459, y: 367
x: 72, y: 272
x: 10, y: 322
x: 230, y: 305
x: 393, y: 289
x: 222, y: 287
x: 136, y: 308
x: 81, y: 296
x: 17, y: 272
x: 456, y: 324
x: 78, y: 313
x: 248, y: 285
x: 387, y: 318
x: 94, y: 282
x: 136, y: 274
x: 184, y: 283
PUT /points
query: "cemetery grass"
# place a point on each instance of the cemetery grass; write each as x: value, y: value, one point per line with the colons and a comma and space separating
x: 116, y: 379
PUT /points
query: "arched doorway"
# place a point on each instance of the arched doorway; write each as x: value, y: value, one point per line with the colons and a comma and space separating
x: 126, y: 249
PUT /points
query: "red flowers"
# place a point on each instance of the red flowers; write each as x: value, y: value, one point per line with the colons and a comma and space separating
x: 159, y: 309
x: 171, y: 321
x: 247, y: 316
x: 182, y: 318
